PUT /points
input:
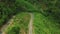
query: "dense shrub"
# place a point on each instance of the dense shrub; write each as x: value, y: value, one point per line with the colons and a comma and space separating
x: 14, y: 30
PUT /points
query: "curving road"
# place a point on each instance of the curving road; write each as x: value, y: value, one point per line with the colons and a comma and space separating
x: 31, y: 24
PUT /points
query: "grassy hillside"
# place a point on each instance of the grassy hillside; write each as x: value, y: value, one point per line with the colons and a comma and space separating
x: 46, y: 16
x: 19, y: 24
x: 43, y: 25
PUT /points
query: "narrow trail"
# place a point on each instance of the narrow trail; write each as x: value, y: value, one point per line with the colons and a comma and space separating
x: 11, y: 21
x: 31, y: 24
x: 6, y: 25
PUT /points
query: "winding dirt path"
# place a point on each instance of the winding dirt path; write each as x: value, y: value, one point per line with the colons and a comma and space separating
x: 31, y: 24
x: 11, y: 21
x: 6, y: 25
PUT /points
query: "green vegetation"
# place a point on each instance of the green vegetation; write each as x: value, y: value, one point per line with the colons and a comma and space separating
x: 43, y: 25
x: 46, y: 16
x: 21, y: 21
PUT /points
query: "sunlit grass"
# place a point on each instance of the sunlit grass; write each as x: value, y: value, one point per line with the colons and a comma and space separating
x: 43, y: 25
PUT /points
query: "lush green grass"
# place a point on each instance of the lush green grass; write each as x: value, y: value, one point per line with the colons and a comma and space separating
x: 20, y: 22
x: 46, y: 15
x: 43, y: 25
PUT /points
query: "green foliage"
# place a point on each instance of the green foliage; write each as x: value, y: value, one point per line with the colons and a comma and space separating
x: 21, y: 21
x: 49, y: 9
x: 14, y: 30
x: 43, y: 25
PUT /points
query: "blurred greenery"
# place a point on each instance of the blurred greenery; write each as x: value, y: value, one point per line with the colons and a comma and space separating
x: 46, y: 15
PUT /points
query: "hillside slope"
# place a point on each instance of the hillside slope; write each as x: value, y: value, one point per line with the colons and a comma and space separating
x: 46, y: 16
